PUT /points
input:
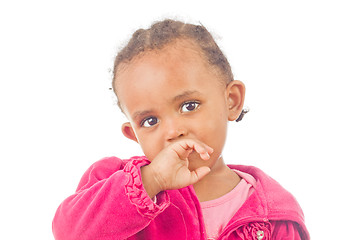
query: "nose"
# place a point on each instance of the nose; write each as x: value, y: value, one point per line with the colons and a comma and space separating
x: 175, y: 129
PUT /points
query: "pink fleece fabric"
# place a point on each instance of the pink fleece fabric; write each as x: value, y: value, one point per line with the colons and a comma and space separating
x: 111, y: 203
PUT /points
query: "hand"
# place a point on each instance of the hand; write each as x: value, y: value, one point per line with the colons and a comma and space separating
x: 169, y: 169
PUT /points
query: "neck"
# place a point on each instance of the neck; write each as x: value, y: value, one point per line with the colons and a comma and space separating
x: 219, y: 181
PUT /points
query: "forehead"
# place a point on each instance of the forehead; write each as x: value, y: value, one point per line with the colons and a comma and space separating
x: 162, y: 74
x: 179, y: 49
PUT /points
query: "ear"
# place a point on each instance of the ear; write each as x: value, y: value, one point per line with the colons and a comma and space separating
x: 128, y: 132
x: 235, y: 93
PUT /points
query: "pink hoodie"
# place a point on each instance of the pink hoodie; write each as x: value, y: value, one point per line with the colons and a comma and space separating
x: 111, y: 203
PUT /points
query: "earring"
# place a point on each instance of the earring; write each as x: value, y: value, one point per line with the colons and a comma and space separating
x: 242, y: 114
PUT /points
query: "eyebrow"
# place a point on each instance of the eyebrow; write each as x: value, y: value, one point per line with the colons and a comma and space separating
x: 183, y: 95
x: 141, y: 114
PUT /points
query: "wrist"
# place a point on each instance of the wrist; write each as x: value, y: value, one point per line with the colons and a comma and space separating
x: 151, y: 185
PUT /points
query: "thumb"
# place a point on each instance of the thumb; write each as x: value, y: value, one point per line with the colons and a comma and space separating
x: 198, y: 174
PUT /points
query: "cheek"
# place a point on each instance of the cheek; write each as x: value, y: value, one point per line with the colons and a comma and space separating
x: 151, y: 147
x: 214, y: 131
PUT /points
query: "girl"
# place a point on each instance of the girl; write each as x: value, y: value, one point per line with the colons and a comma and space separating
x: 176, y: 88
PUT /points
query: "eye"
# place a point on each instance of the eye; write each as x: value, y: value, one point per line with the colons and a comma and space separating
x: 149, y: 122
x: 189, y: 106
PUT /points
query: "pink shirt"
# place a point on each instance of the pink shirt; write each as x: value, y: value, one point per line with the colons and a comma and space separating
x: 218, y: 212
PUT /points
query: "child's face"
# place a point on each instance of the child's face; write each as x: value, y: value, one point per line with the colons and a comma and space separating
x: 171, y: 95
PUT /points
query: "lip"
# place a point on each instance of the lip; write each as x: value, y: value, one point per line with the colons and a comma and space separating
x: 194, y: 156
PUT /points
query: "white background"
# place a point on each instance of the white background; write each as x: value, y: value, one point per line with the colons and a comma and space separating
x: 299, y: 60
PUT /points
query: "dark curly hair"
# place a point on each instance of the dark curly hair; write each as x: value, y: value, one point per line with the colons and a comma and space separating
x: 163, y: 33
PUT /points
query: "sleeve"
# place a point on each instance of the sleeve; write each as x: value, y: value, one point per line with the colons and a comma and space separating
x: 287, y: 230
x: 109, y: 203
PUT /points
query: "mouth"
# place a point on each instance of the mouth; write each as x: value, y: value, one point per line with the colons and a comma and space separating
x: 194, y: 156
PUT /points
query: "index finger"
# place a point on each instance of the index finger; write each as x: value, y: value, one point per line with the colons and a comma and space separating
x: 182, y: 148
